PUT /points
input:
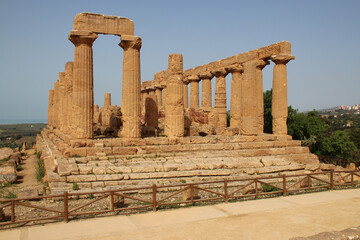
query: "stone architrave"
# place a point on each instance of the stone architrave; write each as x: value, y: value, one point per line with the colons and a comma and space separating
x: 235, y: 101
x: 260, y: 87
x: 83, y: 84
x: 107, y: 99
x: 279, y: 94
x: 206, y: 89
x: 186, y: 94
x: 51, y: 108
x: 68, y: 121
x: 194, y: 91
x: 174, y: 99
x: 220, y: 96
x: 131, y: 82
x: 249, y: 99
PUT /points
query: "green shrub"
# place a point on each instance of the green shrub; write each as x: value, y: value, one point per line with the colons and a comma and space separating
x: 38, y: 154
x: 40, y: 169
x: 10, y: 195
x: 267, y: 188
x: 75, y: 186
x: 19, y: 167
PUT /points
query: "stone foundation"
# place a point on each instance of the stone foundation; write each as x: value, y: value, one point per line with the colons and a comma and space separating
x: 114, y: 163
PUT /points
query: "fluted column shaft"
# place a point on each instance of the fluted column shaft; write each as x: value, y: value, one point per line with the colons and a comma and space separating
x: 56, y: 105
x: 50, y: 108
x: 83, y: 85
x: 151, y: 109
x: 249, y: 99
x: 130, y: 103
x: 279, y: 94
x: 107, y: 99
x: 220, y: 96
x: 186, y: 95
x: 260, y: 93
x: 68, y: 121
x: 206, y: 89
x: 235, y: 100
x: 174, y: 99
x: 158, y: 94
x: 61, y: 108
x: 194, y: 91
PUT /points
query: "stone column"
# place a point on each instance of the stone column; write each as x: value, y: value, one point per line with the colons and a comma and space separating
x: 279, y: 94
x: 50, y: 108
x: 235, y: 101
x: 186, y: 94
x: 130, y: 103
x: 61, y: 108
x: 249, y: 99
x: 151, y: 109
x: 174, y: 99
x: 107, y: 99
x: 83, y: 84
x: 220, y: 96
x: 194, y: 91
x: 206, y: 89
x: 260, y: 88
x: 56, y: 105
x: 158, y: 94
x: 69, y: 68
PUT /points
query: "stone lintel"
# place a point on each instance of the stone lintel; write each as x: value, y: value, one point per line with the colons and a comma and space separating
x: 103, y: 24
x: 234, y: 68
x: 206, y: 75
x: 192, y: 78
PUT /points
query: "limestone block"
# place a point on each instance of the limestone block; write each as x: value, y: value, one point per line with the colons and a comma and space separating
x: 109, y: 177
x: 98, y: 170
x: 65, y: 169
x: 142, y: 168
x: 85, y: 169
x: 8, y: 178
x: 327, y: 167
x: 124, y: 150
x: 7, y: 170
x: 5, y: 152
x: 186, y: 196
x: 95, y: 185
x: 81, y: 178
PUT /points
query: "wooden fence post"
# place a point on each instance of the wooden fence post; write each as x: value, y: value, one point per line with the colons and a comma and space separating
x: 12, y: 210
x: 226, y: 197
x: 284, y: 185
x: 154, y: 198
x: 256, y: 188
x: 331, y: 179
x: 112, y: 201
x: 66, y: 207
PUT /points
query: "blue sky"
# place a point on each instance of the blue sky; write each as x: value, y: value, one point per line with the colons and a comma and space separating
x: 325, y: 39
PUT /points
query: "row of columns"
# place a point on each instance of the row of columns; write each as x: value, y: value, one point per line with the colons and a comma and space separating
x: 71, y: 102
x: 247, y: 103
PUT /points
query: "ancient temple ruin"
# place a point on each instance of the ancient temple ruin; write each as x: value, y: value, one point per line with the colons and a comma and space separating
x: 102, y: 147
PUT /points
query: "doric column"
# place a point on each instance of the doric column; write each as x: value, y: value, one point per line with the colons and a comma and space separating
x: 69, y: 68
x: 235, y: 101
x: 50, y: 108
x: 260, y: 88
x: 174, y: 99
x: 83, y: 84
x: 158, y: 94
x: 194, y: 91
x: 107, y: 99
x: 61, y: 108
x: 151, y: 109
x: 56, y: 105
x: 279, y: 94
x: 220, y: 96
x: 249, y: 99
x: 206, y: 89
x: 130, y: 103
x: 186, y: 94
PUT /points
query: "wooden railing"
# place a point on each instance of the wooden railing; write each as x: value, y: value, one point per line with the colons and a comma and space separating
x: 155, y: 197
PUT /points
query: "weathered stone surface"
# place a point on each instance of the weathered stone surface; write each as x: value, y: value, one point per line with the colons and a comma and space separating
x: 5, y: 152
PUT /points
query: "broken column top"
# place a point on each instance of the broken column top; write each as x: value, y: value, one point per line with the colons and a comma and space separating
x: 103, y: 24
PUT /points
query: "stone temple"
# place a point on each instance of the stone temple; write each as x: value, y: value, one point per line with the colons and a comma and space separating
x: 161, y: 133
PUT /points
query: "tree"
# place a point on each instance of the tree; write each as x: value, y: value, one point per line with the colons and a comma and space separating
x: 267, y: 111
x: 338, y: 145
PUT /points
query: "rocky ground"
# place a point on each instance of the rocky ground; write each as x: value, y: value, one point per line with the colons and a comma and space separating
x: 347, y: 234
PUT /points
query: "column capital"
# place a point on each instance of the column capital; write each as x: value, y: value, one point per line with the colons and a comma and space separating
x: 234, y: 68
x: 192, y: 78
x: 130, y: 41
x: 78, y: 37
x: 206, y: 75
x: 220, y: 72
x: 282, y: 59
x: 260, y: 64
